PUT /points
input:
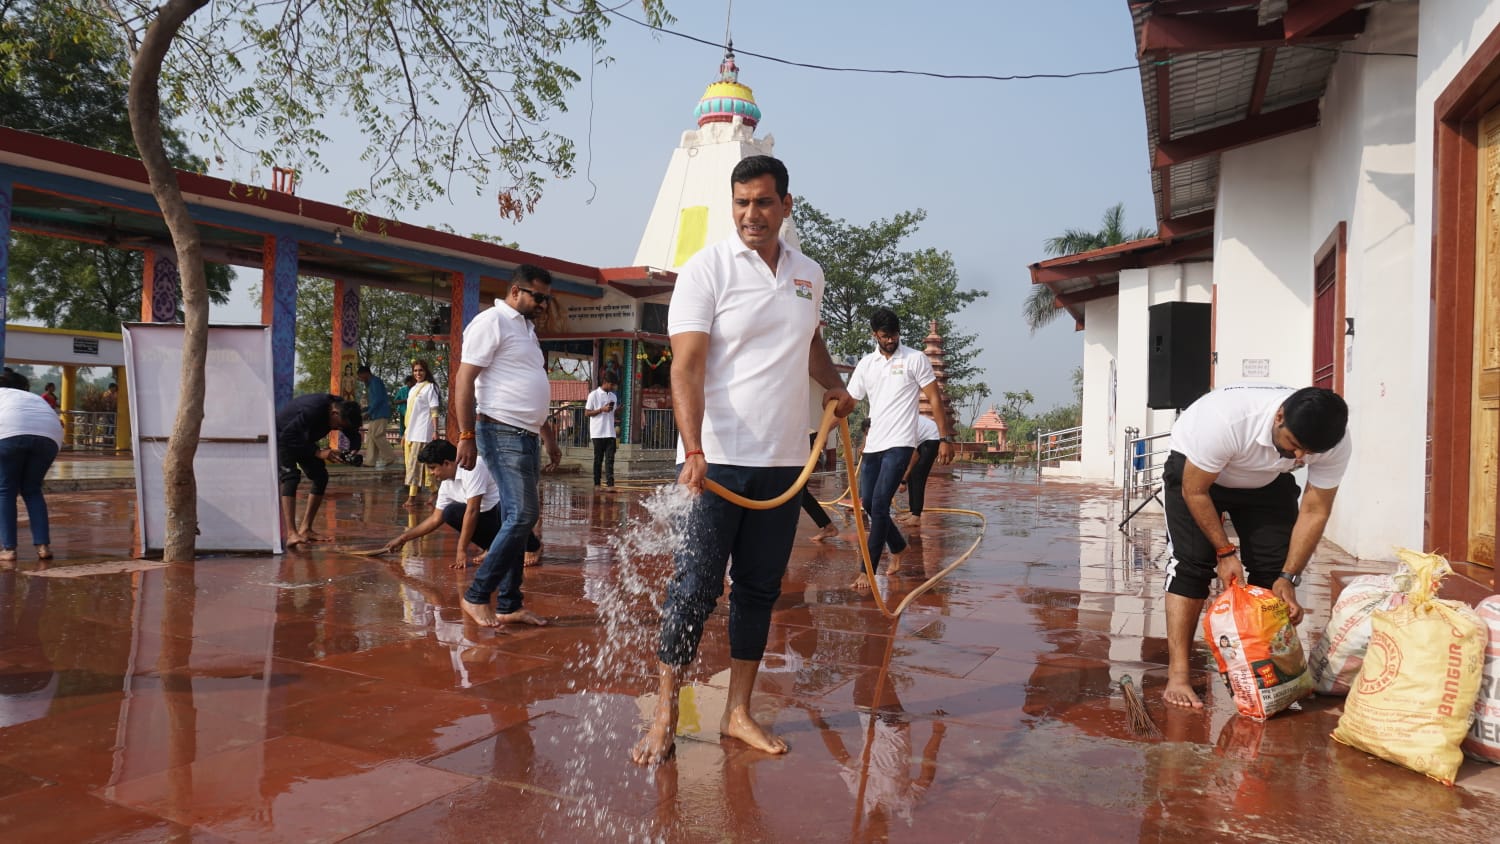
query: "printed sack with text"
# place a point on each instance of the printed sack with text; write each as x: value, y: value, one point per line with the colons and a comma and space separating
x: 1415, y: 693
x: 1483, y: 742
x: 1250, y: 633
x: 1338, y: 654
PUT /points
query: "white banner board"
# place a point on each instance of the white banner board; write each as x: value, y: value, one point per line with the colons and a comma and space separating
x: 238, y: 497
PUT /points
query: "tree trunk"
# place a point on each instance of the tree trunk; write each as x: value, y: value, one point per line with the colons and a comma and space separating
x: 145, y: 125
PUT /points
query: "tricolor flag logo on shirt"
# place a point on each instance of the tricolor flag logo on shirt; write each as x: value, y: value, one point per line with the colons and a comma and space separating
x: 803, y: 287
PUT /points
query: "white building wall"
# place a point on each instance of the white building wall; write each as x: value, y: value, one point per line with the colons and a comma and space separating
x: 1363, y: 173
x: 1101, y: 430
x: 1263, y: 264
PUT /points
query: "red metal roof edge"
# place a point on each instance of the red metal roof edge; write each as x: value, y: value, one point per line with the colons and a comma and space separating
x: 1104, y: 252
x: 243, y: 193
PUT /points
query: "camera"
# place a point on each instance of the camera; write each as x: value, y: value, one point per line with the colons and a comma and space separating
x: 349, y: 458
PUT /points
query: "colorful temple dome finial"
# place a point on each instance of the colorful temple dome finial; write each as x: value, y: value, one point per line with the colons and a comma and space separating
x: 726, y: 98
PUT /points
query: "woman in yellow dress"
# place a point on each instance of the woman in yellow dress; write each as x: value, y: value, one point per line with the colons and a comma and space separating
x: 421, y: 428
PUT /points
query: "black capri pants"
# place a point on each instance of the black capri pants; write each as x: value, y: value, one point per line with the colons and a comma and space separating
x: 758, y: 541
x: 294, y: 465
x: 1263, y: 520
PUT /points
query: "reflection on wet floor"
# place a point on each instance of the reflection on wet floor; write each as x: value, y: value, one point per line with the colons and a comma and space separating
x: 321, y: 695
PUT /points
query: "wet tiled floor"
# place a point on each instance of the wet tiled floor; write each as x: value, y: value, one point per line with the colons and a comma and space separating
x: 322, y: 695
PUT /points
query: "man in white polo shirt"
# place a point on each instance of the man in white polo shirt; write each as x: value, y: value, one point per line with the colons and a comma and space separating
x: 468, y: 501
x: 500, y: 396
x: 600, y: 409
x: 743, y: 321
x: 893, y: 377
x: 1233, y: 451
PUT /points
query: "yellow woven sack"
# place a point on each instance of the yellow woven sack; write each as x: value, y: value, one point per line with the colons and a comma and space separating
x: 1415, y: 692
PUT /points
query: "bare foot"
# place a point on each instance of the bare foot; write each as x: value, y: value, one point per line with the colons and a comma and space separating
x: 520, y: 617
x: 1180, y: 693
x: 657, y: 746
x: 860, y: 584
x: 828, y: 532
x: 532, y: 558
x: 293, y: 539
x: 481, y: 614
x: 7, y: 555
x: 895, y: 566
x: 43, y: 552
x: 737, y: 723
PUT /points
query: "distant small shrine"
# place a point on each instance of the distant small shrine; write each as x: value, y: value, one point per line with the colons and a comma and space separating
x: 990, y: 420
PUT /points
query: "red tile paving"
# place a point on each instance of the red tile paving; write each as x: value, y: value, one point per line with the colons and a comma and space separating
x: 319, y: 695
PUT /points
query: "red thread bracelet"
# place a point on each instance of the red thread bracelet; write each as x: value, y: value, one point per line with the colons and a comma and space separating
x: 697, y: 451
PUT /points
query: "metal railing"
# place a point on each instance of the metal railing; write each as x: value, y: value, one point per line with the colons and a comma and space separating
x: 88, y: 431
x: 572, y: 425
x: 1056, y: 446
x: 1144, y: 459
x: 658, y: 429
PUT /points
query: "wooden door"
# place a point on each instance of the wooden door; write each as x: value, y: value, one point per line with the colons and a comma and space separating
x: 1484, y: 471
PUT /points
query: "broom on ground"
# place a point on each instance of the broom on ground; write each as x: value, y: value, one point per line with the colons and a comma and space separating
x: 1140, y: 720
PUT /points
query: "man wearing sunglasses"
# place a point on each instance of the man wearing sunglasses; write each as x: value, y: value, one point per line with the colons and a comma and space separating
x: 1233, y: 451
x: 500, y: 396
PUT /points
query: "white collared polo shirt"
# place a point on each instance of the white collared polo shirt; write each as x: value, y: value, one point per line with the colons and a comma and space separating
x: 470, y: 483
x: 760, y: 325
x: 1230, y: 432
x: 512, y: 386
x: 893, y: 385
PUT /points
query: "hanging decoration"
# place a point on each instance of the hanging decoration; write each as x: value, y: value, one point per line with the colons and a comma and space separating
x: 645, y: 357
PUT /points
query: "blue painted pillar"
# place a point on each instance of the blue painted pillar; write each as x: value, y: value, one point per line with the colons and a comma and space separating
x: 5, y: 199
x: 463, y: 302
x: 278, y: 309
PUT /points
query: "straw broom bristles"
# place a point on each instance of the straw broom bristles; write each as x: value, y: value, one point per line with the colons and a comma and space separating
x: 1140, y: 720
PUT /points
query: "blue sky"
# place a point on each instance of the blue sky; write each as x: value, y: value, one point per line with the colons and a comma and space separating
x: 999, y: 166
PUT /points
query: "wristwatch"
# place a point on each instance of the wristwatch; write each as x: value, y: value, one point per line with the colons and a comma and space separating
x: 1296, y: 579
x: 946, y: 438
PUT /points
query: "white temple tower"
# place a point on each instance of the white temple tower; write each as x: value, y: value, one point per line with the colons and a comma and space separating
x: 693, y: 206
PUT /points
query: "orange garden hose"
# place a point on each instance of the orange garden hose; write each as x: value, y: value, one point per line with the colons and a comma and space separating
x: 859, y: 522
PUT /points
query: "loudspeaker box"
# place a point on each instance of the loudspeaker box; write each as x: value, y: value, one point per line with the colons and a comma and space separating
x: 1179, y: 358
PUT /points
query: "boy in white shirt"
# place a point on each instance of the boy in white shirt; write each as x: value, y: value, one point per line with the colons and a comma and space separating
x: 467, y: 500
x: 600, y: 409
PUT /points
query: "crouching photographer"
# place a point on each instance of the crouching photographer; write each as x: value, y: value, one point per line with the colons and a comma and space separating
x: 300, y: 425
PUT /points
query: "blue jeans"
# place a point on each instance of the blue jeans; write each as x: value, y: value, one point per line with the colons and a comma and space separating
x: 879, y: 476
x: 513, y: 456
x: 24, y: 461
x: 759, y: 542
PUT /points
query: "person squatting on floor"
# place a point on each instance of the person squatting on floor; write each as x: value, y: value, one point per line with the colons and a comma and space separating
x: 915, y: 482
x: 500, y: 396
x: 30, y: 435
x: 300, y: 424
x: 892, y: 377
x: 1233, y: 451
x: 468, y: 500
x: 743, y: 320
x: 600, y: 408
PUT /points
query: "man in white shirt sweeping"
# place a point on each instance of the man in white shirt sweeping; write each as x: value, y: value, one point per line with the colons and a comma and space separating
x: 468, y: 500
